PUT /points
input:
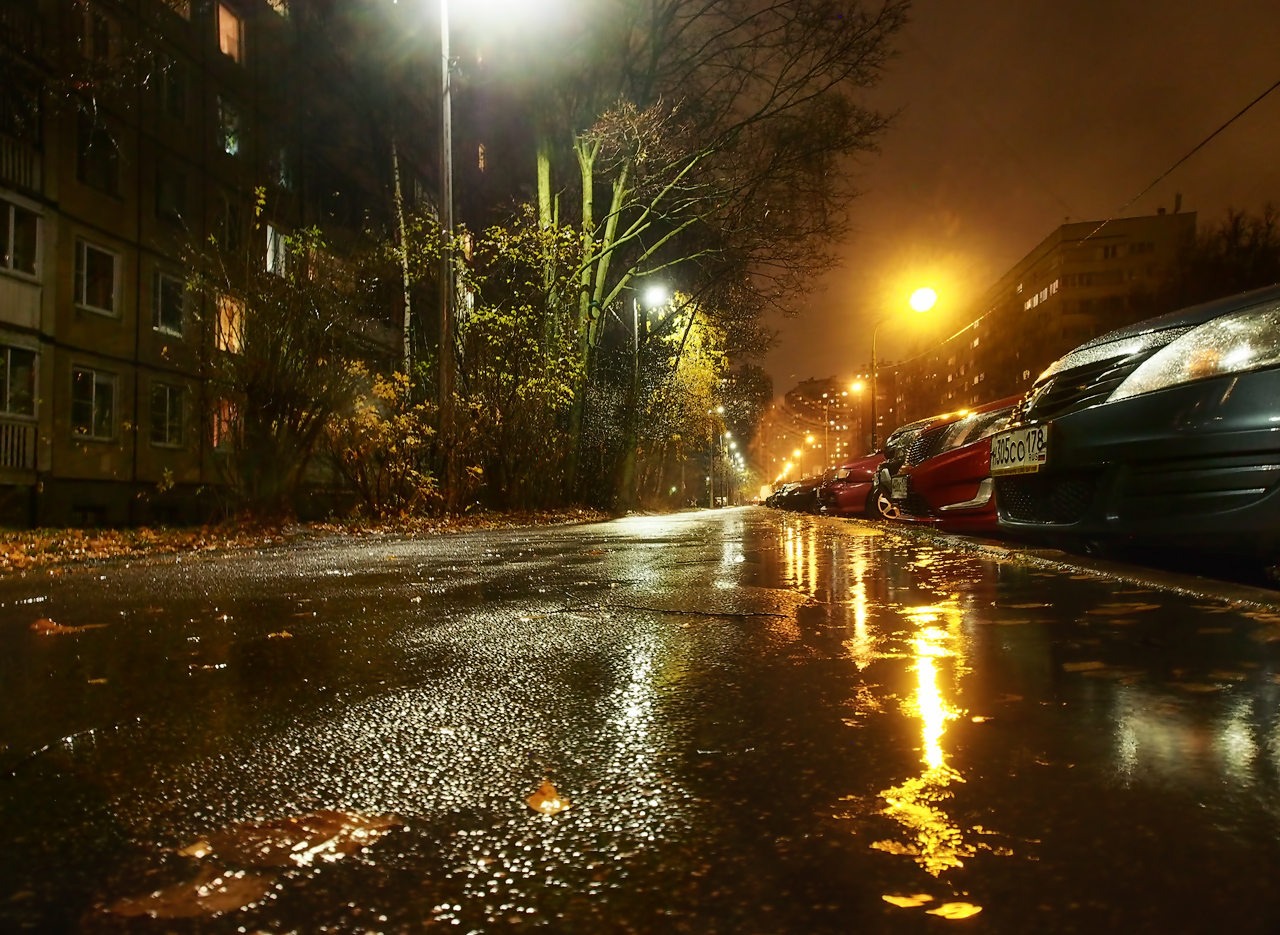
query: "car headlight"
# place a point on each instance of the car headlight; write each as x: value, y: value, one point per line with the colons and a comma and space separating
x: 1234, y: 343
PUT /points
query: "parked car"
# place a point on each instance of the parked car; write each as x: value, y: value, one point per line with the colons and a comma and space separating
x: 951, y: 486
x: 774, y: 499
x: 1166, y: 432
x: 848, y: 492
x: 802, y: 497
x: 908, y: 445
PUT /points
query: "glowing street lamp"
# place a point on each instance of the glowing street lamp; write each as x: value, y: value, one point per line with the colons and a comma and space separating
x: 921, y: 300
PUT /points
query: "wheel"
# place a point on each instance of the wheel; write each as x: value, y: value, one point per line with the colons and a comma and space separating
x: 879, y: 506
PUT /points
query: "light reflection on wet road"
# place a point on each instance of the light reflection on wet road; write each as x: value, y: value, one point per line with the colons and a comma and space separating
x: 765, y: 724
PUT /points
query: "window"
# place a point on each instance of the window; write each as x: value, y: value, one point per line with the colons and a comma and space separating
x: 20, y: 106
x: 230, y: 336
x: 97, y: 155
x: 171, y: 194
x: 226, y: 421
x: 17, y: 381
x: 167, y: 407
x: 94, y: 33
x: 19, y: 237
x: 171, y: 294
x: 173, y: 90
x: 230, y: 33
x: 229, y: 127
x: 93, y: 403
x: 276, y: 251
x: 181, y: 7
x: 1111, y: 252
x: 95, y: 278
x: 281, y: 170
x: 228, y: 224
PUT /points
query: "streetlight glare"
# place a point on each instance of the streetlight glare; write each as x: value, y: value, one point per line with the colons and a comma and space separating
x: 923, y: 299
x: 655, y: 296
x: 857, y: 387
x: 809, y: 439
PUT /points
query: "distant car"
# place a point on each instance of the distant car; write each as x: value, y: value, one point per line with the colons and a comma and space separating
x: 849, y: 490
x: 801, y: 497
x: 1163, y: 433
x: 774, y: 499
x: 952, y: 487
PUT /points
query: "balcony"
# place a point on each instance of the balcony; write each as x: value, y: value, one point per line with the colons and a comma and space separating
x: 17, y: 445
x: 19, y: 164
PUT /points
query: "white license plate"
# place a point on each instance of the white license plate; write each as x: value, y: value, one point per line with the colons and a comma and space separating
x: 1020, y: 451
x: 898, y: 488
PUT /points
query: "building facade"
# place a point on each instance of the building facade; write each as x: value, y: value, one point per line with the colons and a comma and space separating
x: 190, y: 128
x: 826, y: 421
x: 1083, y: 280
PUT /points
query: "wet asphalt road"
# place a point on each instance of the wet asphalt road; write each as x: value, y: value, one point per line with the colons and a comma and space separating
x: 765, y: 723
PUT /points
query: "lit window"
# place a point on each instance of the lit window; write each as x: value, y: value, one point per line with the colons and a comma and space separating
x: 17, y: 381
x: 226, y: 421
x: 276, y: 255
x: 171, y: 293
x: 230, y: 337
x: 93, y: 403
x: 1053, y: 287
x: 19, y: 238
x: 95, y: 278
x: 230, y: 33
x: 229, y: 128
x: 167, y: 404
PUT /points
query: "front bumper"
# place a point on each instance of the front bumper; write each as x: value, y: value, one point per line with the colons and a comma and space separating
x: 1195, y: 465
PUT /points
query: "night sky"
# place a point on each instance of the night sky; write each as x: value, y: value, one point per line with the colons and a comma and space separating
x: 1016, y: 116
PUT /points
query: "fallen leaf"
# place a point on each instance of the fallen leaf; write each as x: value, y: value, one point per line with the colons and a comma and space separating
x: 1227, y: 675
x: 547, y: 800
x: 979, y: 719
x: 908, y: 902
x: 300, y: 840
x: 955, y: 910
x: 893, y: 847
x: 200, y: 848
x: 97, y: 681
x: 46, y: 627
x: 210, y: 893
x: 1026, y: 606
x: 1082, y: 666
x: 1010, y: 623
x: 1119, y: 610
x: 1262, y: 616
x: 282, y: 635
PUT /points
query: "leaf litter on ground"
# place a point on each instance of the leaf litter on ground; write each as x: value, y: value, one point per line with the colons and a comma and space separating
x: 297, y: 841
x: 955, y: 910
x: 210, y: 892
x: 46, y: 627
x: 908, y: 902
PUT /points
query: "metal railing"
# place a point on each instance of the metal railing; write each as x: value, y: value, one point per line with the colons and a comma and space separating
x: 19, y: 164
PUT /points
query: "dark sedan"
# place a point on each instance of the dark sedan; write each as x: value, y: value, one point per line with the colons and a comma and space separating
x: 1163, y: 433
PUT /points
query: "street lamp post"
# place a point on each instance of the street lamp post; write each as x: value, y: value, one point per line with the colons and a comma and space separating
x: 921, y: 300
x: 445, y: 375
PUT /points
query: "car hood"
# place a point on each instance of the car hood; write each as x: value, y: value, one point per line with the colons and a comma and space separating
x: 1189, y: 317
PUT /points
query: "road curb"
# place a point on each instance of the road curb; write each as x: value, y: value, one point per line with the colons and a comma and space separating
x: 1240, y: 595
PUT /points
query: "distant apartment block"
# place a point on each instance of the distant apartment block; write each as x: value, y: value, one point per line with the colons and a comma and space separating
x: 1079, y: 282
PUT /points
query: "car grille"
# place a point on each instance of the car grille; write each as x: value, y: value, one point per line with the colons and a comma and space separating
x: 926, y: 445
x: 1046, y: 499
x: 1072, y: 390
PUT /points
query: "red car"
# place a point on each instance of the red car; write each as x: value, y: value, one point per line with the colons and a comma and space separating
x: 849, y: 491
x: 952, y: 488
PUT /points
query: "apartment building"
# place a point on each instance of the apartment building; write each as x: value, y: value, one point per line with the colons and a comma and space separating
x: 819, y: 423
x: 130, y: 131
x: 1082, y: 280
